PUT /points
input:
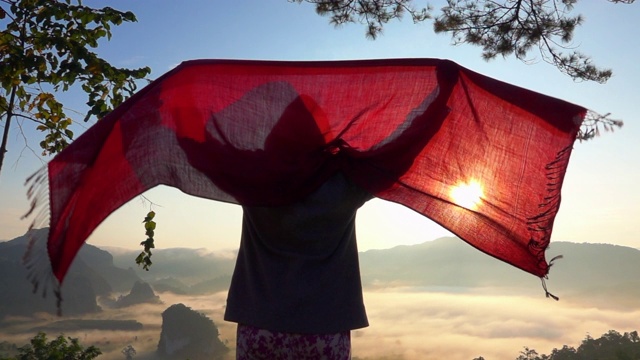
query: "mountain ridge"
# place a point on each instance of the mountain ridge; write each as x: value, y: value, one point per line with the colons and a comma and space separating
x: 602, y: 274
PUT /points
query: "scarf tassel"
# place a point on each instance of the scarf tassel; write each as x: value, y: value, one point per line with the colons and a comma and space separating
x: 544, y: 283
x: 36, y: 258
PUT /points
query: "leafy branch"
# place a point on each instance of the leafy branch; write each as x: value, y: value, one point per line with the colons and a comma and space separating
x: 144, y: 258
x: 516, y: 27
x: 46, y: 48
x: 373, y: 13
x: 501, y: 28
x: 592, y: 124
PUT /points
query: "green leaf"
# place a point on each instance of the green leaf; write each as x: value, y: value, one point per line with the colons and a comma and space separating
x: 149, y: 216
x: 150, y: 225
x: 144, y: 258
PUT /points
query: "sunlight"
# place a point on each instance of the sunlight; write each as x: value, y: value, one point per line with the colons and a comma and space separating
x: 467, y: 195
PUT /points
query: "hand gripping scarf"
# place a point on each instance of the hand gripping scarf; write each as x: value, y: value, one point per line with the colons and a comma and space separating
x: 417, y: 132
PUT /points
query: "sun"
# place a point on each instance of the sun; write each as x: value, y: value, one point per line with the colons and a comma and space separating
x: 468, y: 195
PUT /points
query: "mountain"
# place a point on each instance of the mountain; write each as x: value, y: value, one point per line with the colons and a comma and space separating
x: 187, y: 266
x: 141, y: 293
x: 96, y: 274
x: 608, y: 275
x: 189, y: 334
x: 91, y: 275
x: 600, y: 274
x: 604, y: 274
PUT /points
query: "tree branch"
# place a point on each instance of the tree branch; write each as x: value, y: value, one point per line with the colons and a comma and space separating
x: 7, y: 125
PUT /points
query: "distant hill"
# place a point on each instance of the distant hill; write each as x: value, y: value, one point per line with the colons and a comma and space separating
x: 601, y: 274
x: 188, y: 266
x: 181, y: 270
x: 63, y: 326
x: 141, y: 293
x: 608, y: 275
x: 91, y: 275
x: 604, y: 274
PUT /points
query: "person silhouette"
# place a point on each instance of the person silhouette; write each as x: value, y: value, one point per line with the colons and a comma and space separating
x: 296, y: 291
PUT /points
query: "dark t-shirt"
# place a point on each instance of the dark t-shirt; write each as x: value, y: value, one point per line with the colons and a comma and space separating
x: 297, y: 269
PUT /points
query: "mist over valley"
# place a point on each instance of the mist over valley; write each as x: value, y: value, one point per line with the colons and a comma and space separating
x: 436, y: 300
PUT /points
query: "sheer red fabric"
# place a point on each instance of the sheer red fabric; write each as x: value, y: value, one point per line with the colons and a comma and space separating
x: 418, y: 132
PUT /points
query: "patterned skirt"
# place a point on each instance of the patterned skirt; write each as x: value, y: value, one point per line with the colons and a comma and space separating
x: 254, y: 343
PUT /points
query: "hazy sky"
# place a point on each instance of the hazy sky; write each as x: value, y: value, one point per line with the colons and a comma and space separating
x: 600, y: 197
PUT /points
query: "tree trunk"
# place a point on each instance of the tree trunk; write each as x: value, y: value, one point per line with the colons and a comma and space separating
x: 7, y: 125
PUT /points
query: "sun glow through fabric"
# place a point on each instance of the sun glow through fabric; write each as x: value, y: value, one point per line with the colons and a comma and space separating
x: 468, y: 195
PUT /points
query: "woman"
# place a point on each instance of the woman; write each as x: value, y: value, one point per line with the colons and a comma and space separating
x: 296, y: 290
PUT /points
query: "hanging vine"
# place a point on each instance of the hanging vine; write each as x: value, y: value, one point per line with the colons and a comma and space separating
x: 144, y: 258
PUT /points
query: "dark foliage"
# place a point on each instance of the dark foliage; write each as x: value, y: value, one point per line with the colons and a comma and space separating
x: 501, y: 28
x: 60, y: 348
x: 610, y: 346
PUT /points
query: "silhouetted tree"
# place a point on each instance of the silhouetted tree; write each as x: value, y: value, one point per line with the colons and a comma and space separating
x: 528, y: 354
x: 611, y: 345
x: 60, y: 348
x: 505, y: 28
x: 566, y: 353
x: 372, y: 13
x: 129, y: 352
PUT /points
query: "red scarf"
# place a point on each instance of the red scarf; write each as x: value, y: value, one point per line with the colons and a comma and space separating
x: 411, y: 131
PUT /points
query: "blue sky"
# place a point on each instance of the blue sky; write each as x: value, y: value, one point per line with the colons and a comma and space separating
x: 600, y: 195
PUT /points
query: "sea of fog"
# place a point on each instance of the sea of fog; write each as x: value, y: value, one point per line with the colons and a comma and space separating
x: 405, y: 324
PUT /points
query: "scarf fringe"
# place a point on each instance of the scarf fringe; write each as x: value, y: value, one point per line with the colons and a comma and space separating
x: 36, y: 258
x: 544, y: 278
x: 592, y: 122
x: 547, y: 293
x: 540, y: 224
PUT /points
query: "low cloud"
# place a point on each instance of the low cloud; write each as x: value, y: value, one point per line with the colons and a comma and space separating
x: 480, y: 323
x: 405, y: 325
